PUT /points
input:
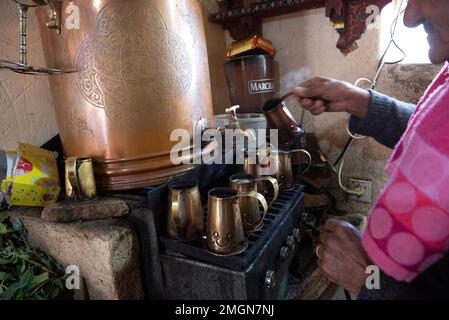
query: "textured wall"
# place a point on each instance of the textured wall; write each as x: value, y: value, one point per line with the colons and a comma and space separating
x: 26, y: 109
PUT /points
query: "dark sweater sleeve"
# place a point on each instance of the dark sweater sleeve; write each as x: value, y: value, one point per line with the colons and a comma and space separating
x: 431, y: 284
x: 386, y: 121
x: 390, y: 289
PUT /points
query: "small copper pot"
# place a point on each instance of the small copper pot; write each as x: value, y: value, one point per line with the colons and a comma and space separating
x: 291, y: 134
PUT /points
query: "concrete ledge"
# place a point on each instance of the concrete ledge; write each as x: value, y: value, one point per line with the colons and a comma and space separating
x: 106, y: 252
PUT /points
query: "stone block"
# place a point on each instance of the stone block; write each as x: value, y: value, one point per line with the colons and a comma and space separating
x: 106, y: 252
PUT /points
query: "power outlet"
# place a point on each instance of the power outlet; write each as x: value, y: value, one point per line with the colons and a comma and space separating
x: 362, y: 184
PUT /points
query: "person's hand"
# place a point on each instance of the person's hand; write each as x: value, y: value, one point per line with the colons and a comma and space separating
x: 320, y: 95
x: 341, y: 256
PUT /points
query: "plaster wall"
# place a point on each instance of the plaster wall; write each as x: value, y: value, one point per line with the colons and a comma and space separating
x: 26, y: 108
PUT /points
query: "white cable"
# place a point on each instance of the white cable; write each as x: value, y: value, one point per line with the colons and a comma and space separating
x: 352, y: 135
x: 360, y: 191
x: 357, y: 83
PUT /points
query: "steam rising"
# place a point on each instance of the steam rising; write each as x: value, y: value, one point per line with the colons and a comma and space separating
x: 294, y: 78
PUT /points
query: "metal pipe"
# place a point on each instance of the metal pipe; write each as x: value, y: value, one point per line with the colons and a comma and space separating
x: 22, y: 33
x: 22, y: 66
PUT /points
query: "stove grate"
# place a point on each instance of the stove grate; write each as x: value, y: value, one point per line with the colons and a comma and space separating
x: 286, y: 203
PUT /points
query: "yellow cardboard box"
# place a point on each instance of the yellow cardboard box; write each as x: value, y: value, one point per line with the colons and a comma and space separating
x: 32, y: 177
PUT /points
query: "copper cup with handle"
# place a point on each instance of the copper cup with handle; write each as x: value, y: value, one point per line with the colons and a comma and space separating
x: 249, y: 206
x: 284, y: 171
x: 260, y: 166
x: 185, y: 219
x: 224, y: 231
x: 298, y: 156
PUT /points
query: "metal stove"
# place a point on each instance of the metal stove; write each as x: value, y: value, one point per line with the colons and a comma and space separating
x: 174, y: 269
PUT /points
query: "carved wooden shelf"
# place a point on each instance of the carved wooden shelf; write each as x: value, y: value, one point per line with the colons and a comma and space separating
x: 266, y: 9
x: 243, y: 22
x: 349, y: 17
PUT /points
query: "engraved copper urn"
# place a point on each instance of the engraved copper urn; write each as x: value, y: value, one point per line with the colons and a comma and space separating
x: 141, y: 72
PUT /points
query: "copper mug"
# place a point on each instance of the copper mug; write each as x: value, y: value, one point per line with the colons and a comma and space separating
x: 250, y: 166
x: 284, y: 172
x: 249, y: 207
x: 224, y: 232
x: 185, y: 219
x: 298, y: 160
x: 258, y: 169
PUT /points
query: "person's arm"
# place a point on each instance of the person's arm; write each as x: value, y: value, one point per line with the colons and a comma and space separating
x: 386, y: 120
x: 372, y: 114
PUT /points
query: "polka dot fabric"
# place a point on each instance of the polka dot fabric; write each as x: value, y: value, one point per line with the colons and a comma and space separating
x: 408, y: 229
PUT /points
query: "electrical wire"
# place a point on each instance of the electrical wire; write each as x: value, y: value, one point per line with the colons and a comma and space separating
x: 373, y: 83
x: 343, y: 153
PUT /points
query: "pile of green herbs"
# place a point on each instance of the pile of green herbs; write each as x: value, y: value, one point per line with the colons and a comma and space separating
x: 27, y: 273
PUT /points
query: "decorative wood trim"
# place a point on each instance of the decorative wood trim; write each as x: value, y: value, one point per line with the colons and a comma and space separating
x: 349, y: 17
x: 245, y: 21
x: 265, y: 9
x: 245, y: 27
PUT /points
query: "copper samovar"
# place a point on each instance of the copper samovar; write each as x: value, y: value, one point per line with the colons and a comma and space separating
x: 141, y: 72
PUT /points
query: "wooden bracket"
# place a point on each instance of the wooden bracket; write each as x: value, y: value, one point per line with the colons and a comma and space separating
x: 245, y: 27
x: 351, y: 17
